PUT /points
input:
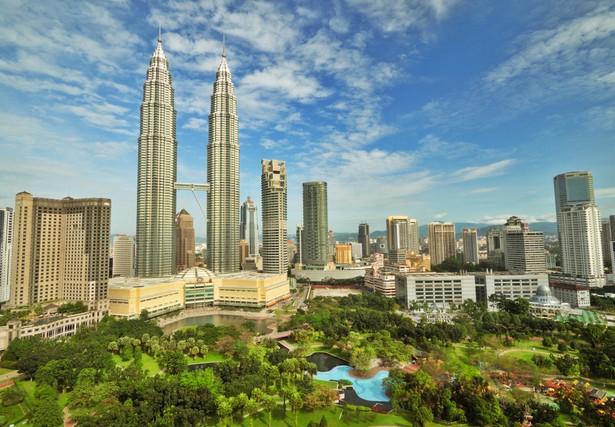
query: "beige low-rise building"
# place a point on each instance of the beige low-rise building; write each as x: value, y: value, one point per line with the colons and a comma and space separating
x: 49, y: 326
x: 195, y: 287
x: 248, y: 289
x: 128, y: 297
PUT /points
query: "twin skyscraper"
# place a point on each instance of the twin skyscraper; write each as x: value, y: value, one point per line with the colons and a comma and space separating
x: 157, y: 173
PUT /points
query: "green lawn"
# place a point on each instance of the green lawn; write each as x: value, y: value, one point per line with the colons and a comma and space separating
x: 5, y: 371
x: 149, y: 363
x: 329, y: 384
x: 210, y: 357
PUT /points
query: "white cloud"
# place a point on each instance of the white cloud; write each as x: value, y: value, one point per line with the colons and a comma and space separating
x: 479, y: 172
x: 196, y: 123
x: 483, y: 190
x: 432, y: 145
x: 556, y: 48
x: 402, y: 15
x: 605, y: 192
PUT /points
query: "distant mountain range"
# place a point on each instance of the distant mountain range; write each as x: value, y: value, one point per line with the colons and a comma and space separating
x: 549, y: 228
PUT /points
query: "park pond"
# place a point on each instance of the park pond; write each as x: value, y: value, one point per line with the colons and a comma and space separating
x: 260, y: 325
x: 333, y: 368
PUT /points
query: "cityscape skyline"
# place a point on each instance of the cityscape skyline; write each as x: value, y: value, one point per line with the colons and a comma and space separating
x: 401, y: 118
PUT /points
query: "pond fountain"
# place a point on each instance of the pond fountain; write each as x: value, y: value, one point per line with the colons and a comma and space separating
x: 331, y: 367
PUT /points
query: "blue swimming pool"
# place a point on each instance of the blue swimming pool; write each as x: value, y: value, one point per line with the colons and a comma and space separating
x: 368, y: 389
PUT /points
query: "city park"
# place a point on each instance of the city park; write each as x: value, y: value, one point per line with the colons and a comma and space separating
x: 485, y: 368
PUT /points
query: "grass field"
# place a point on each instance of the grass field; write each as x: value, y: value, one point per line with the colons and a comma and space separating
x: 210, y: 357
x: 5, y: 371
x: 149, y: 363
x: 329, y: 384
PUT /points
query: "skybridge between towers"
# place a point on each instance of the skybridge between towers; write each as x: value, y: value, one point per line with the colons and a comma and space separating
x: 193, y: 188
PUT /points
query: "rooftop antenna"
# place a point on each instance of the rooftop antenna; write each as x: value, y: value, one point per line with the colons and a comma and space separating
x: 223, y: 46
x: 159, y: 30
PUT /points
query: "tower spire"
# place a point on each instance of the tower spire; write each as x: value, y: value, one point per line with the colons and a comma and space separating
x: 223, y: 46
x: 159, y: 30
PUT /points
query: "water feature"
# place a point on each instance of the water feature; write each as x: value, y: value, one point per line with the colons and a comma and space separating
x: 368, y: 389
x: 261, y: 325
x: 334, y: 368
x: 325, y: 361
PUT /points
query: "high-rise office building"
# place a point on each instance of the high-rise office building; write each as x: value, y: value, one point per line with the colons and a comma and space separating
x: 607, y: 237
x: 60, y: 250
x: 185, y: 245
x: 398, y: 238
x: 441, y: 241
x: 612, y: 242
x: 299, y: 255
x: 363, y: 239
x: 579, y: 227
x: 223, y: 175
x: 315, y: 249
x: 6, y: 250
x: 495, y: 239
x: 524, y: 250
x: 248, y: 226
x: 275, y: 230
x: 157, y: 172
x: 124, y: 256
x: 470, y: 245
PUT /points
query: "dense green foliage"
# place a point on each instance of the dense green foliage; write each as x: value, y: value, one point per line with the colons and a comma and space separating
x: 73, y: 308
x: 253, y: 377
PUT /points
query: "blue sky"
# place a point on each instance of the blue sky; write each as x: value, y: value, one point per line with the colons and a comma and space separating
x: 439, y: 110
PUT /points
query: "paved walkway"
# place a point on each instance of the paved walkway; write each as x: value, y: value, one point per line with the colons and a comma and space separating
x: 9, y: 376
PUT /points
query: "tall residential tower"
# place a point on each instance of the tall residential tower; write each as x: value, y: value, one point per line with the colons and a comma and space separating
x: 157, y: 172
x: 579, y: 227
x: 6, y: 245
x: 223, y: 176
x: 402, y: 238
x: 275, y: 230
x: 441, y: 241
x: 60, y: 250
x: 315, y: 244
x: 470, y: 245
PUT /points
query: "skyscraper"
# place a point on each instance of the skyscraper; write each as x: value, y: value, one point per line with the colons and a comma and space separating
x: 524, y: 250
x: 6, y: 249
x: 607, y: 237
x: 275, y: 230
x: 470, y: 245
x: 248, y: 226
x: 60, y: 250
x: 398, y: 238
x: 185, y: 241
x: 157, y: 172
x: 441, y: 241
x: 363, y: 239
x: 315, y: 250
x: 495, y: 239
x: 579, y: 227
x: 299, y: 233
x: 612, y: 242
x: 124, y: 256
x: 223, y: 175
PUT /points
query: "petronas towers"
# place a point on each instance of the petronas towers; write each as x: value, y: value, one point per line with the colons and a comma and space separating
x: 157, y: 174
x: 223, y: 176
